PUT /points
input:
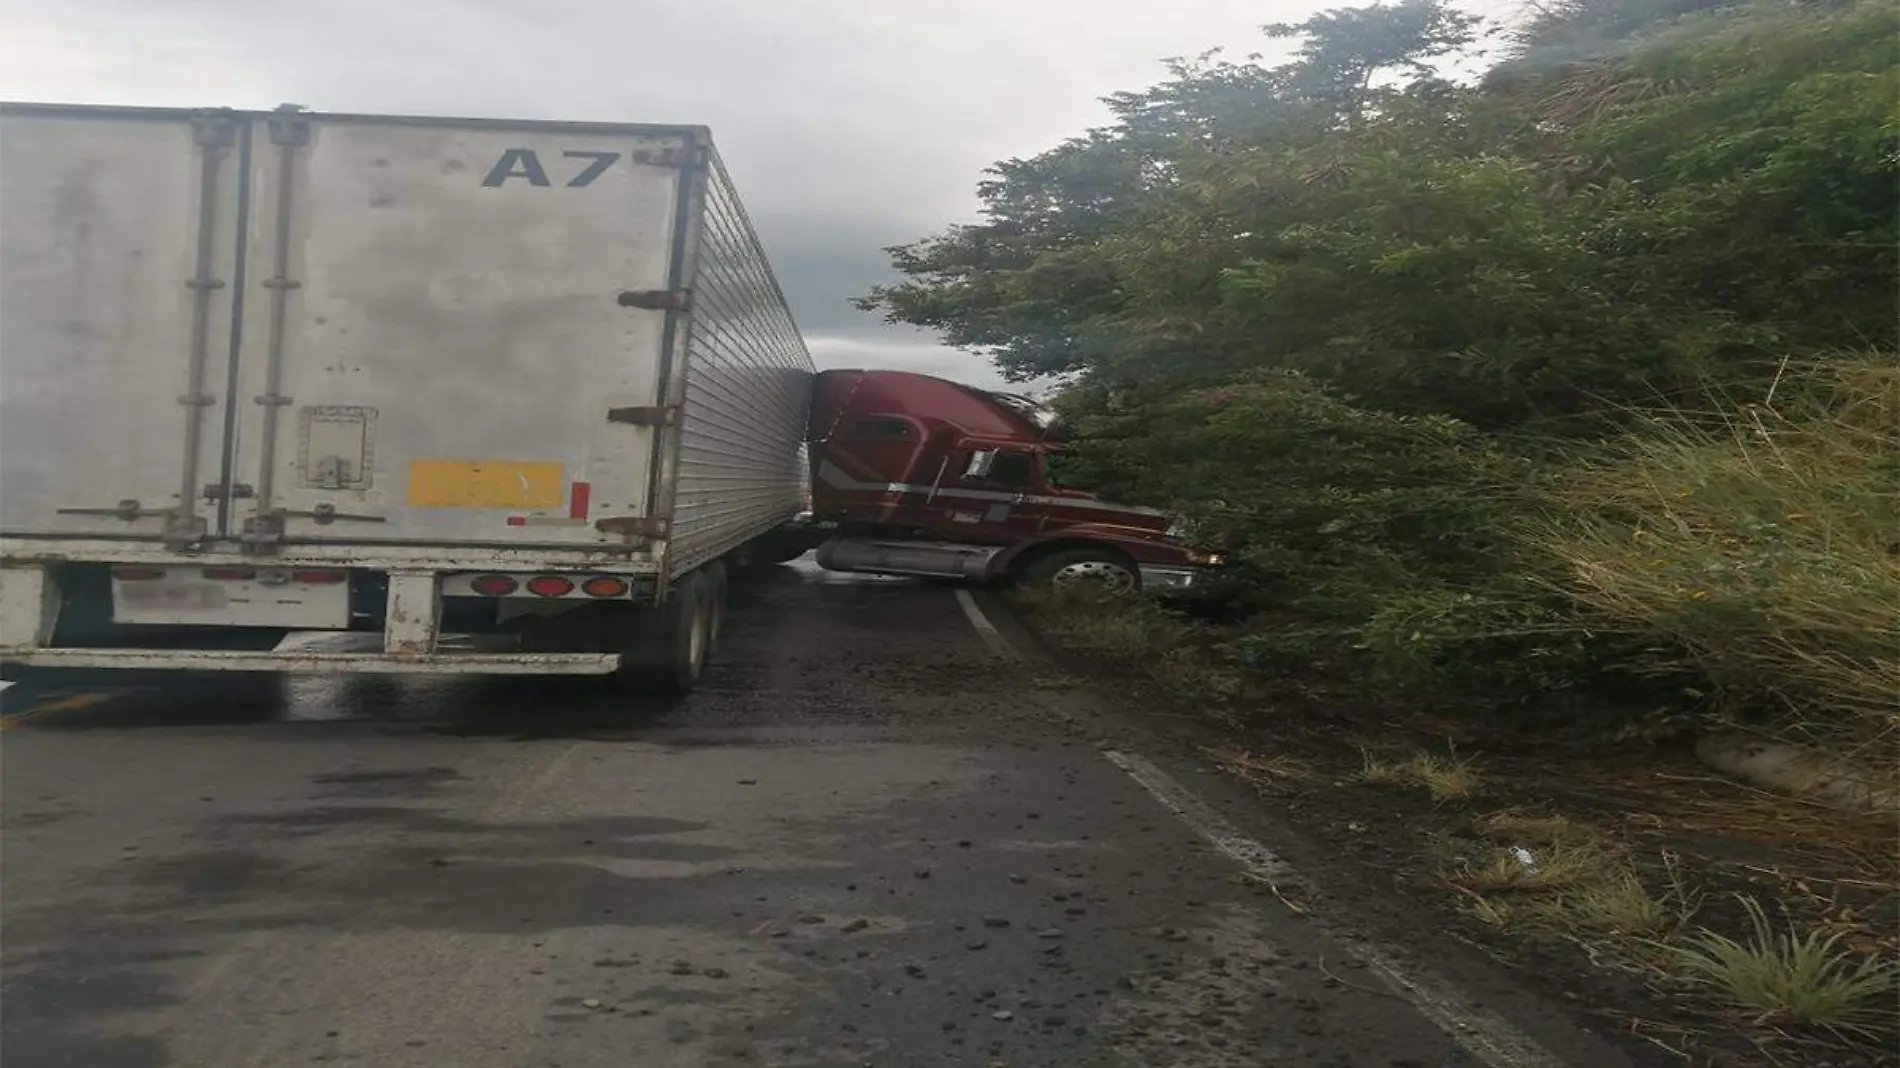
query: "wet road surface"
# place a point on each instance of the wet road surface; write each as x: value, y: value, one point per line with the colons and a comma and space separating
x: 871, y: 839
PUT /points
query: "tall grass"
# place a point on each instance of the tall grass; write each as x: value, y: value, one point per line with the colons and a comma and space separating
x: 1761, y: 541
x: 1136, y: 635
x: 1447, y: 778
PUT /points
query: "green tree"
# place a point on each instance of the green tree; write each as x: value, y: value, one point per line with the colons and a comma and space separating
x: 1344, y: 312
x: 1344, y: 50
x: 1686, y: 204
x: 1030, y: 286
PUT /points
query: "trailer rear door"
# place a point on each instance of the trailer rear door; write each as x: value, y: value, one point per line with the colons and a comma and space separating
x: 458, y: 331
x: 118, y: 239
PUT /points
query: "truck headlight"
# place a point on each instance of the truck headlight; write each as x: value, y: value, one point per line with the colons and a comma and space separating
x: 1195, y: 556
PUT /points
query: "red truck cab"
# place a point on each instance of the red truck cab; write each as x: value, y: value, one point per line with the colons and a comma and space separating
x: 917, y: 475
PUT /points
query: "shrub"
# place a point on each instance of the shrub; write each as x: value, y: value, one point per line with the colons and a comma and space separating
x: 1783, y: 978
x: 1325, y: 507
x: 1357, y: 535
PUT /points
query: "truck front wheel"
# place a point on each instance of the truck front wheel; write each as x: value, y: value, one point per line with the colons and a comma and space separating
x: 1103, y: 569
x: 663, y: 650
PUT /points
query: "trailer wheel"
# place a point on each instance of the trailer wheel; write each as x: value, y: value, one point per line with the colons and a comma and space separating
x: 1099, y: 568
x: 663, y: 651
x: 718, y: 583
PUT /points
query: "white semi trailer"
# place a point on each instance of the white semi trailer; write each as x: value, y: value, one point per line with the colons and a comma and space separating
x: 283, y: 391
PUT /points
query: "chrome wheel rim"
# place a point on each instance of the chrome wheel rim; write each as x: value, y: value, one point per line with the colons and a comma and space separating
x: 1104, y: 574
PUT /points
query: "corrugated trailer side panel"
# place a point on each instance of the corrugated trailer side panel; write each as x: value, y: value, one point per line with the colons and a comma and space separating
x: 748, y: 383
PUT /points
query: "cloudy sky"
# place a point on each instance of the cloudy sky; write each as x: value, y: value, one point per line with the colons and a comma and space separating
x: 849, y: 125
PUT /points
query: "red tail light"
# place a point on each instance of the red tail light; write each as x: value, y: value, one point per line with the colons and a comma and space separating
x: 604, y: 586
x: 319, y: 578
x: 550, y: 586
x: 231, y: 574
x: 138, y: 574
x: 494, y: 585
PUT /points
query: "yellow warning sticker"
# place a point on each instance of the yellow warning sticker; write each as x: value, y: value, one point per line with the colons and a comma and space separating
x: 518, y: 484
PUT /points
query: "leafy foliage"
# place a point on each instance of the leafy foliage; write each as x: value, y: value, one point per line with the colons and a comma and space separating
x: 1305, y: 489
x: 1356, y: 319
x: 1343, y: 50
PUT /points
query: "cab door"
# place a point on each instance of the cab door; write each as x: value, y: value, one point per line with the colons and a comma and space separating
x: 991, y: 490
x: 871, y: 468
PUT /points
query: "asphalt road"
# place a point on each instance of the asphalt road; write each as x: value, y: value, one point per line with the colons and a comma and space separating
x: 876, y: 837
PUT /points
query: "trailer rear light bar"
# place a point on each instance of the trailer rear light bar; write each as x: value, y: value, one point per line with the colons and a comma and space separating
x: 605, y: 586
x: 546, y: 587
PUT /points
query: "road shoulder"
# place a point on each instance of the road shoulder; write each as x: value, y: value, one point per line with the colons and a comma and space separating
x: 1291, y: 868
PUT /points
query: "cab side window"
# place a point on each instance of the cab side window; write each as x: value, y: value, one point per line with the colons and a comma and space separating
x: 1014, y: 470
x: 881, y: 429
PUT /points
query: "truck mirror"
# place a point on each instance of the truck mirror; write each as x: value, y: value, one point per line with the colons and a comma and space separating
x: 980, y: 463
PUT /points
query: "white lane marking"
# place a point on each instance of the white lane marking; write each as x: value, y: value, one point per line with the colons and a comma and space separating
x: 1487, y: 1036
x: 4, y: 684
x: 984, y: 628
x: 1256, y: 858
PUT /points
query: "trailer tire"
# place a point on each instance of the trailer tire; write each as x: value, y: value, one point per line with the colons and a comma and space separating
x: 1103, y: 568
x: 663, y: 650
x: 721, y: 580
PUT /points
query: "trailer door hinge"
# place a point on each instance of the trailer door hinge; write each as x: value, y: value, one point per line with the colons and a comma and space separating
x: 239, y: 491
x: 214, y: 129
x: 289, y: 126
x: 263, y: 531
x: 649, y: 415
x: 182, y: 532
x: 657, y: 299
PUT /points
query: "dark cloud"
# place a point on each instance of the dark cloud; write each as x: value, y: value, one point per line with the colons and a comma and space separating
x: 824, y: 261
